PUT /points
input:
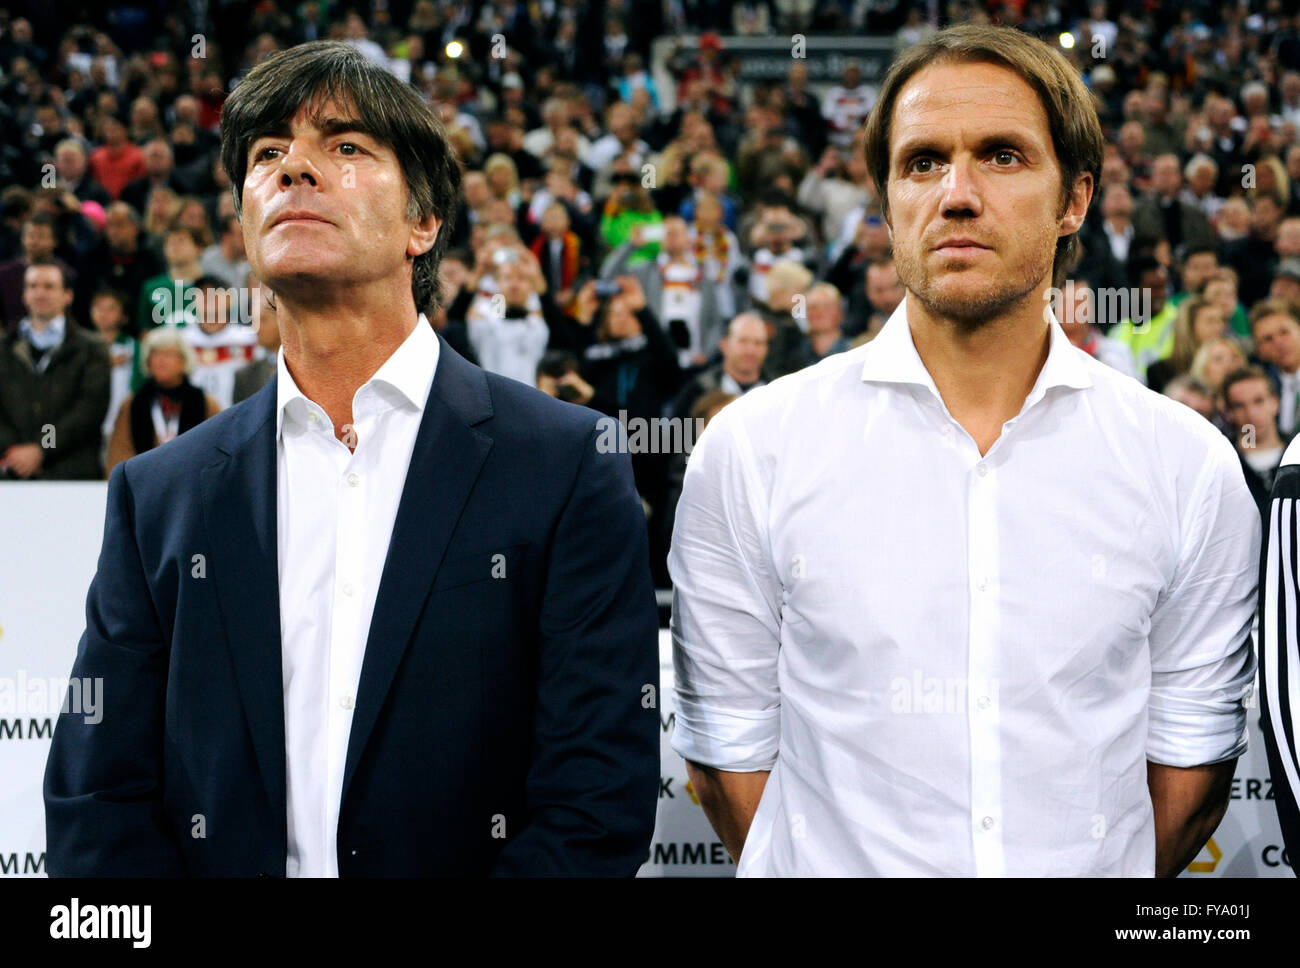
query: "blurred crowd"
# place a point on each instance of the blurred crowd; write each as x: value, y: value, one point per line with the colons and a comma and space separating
x: 646, y: 252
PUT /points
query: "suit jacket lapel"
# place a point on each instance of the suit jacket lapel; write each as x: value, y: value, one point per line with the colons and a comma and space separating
x: 239, y: 510
x: 445, y: 463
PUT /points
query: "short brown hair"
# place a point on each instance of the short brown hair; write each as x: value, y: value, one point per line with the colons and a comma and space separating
x: 391, y: 112
x: 1241, y: 375
x: 1071, y: 113
x: 1273, y: 307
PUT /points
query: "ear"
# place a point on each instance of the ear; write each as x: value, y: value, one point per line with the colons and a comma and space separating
x: 423, y: 234
x: 1077, y: 209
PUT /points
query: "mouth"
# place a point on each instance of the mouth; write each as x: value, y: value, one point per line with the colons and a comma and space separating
x: 297, y: 217
x: 960, y: 247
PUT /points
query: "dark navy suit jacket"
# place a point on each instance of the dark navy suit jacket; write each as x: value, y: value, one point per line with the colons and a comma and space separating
x: 504, y: 724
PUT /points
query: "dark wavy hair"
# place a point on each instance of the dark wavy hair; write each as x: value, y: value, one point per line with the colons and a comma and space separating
x: 1071, y: 113
x: 384, y: 108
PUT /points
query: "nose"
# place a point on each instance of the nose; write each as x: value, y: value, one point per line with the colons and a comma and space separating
x: 960, y: 192
x: 296, y: 165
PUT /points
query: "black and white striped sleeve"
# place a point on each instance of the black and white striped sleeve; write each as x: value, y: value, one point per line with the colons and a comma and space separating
x: 1279, y: 644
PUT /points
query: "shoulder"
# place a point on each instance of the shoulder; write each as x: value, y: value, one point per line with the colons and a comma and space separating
x: 1172, y: 436
x: 518, y: 409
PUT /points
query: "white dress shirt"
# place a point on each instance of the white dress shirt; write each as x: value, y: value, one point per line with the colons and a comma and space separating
x: 955, y: 664
x: 335, y: 512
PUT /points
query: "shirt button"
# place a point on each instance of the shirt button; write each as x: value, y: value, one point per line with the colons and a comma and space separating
x: 984, y: 702
x: 982, y: 470
x: 987, y: 823
x: 348, y: 589
x: 346, y: 702
x: 353, y: 480
x: 982, y: 584
x: 313, y: 417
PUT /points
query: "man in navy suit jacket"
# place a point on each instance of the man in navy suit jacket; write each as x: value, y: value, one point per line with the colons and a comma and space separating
x: 504, y: 718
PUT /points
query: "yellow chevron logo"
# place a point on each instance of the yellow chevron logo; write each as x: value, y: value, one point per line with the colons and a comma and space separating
x: 1206, y: 866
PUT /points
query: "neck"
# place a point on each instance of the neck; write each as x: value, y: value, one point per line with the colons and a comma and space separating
x: 1267, y: 438
x: 333, y: 347
x: 983, y: 375
x: 189, y: 270
x: 41, y: 323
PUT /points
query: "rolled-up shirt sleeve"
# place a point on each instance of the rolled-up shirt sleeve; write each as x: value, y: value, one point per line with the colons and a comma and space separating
x: 1202, y: 662
x: 726, y: 618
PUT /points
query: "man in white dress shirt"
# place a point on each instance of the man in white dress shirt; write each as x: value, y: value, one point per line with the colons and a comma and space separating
x: 903, y: 645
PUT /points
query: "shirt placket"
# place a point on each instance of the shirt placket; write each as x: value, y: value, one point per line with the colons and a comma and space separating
x: 344, y: 625
x: 981, y: 682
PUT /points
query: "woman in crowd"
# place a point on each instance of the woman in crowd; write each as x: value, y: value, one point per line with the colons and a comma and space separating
x: 167, y: 403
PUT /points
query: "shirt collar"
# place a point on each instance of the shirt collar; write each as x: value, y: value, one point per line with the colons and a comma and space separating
x: 892, y: 358
x: 55, y: 330
x: 409, y: 371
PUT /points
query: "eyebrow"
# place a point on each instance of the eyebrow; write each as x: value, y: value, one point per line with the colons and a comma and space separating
x: 329, y: 127
x: 997, y: 139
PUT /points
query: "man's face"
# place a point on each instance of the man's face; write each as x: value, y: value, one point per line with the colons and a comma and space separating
x: 1277, y: 341
x: 745, y: 349
x: 327, y: 207
x: 677, y: 238
x: 1251, y: 403
x: 38, y: 241
x: 158, y: 158
x: 1288, y: 238
x: 884, y: 291
x: 1198, y: 268
x: 43, y: 292
x: 70, y: 163
x: 974, y: 191
x: 120, y: 229
x: 1202, y: 179
x: 1166, y: 178
x: 179, y: 249
x: 824, y: 312
x: 513, y: 280
x: 107, y: 315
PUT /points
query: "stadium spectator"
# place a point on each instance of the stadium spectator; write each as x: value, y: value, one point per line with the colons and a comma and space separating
x: 165, y: 299
x: 1275, y: 328
x: 222, y: 337
x: 54, y: 387
x: 1252, y: 404
x: 72, y: 164
x: 679, y: 290
x: 1076, y: 314
x: 38, y: 245
x: 1198, y: 322
x: 121, y: 262
x: 225, y: 257
x: 744, y: 351
x: 257, y: 374
x: 825, y: 316
x: 116, y: 162
x: 108, y: 311
x: 166, y: 404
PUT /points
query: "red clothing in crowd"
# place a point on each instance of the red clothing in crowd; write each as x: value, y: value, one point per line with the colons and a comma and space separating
x: 115, y: 168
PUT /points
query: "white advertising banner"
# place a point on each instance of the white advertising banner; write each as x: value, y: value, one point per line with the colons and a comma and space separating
x: 51, y: 534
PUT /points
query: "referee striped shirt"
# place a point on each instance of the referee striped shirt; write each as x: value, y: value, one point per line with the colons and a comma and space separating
x: 1279, y: 644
